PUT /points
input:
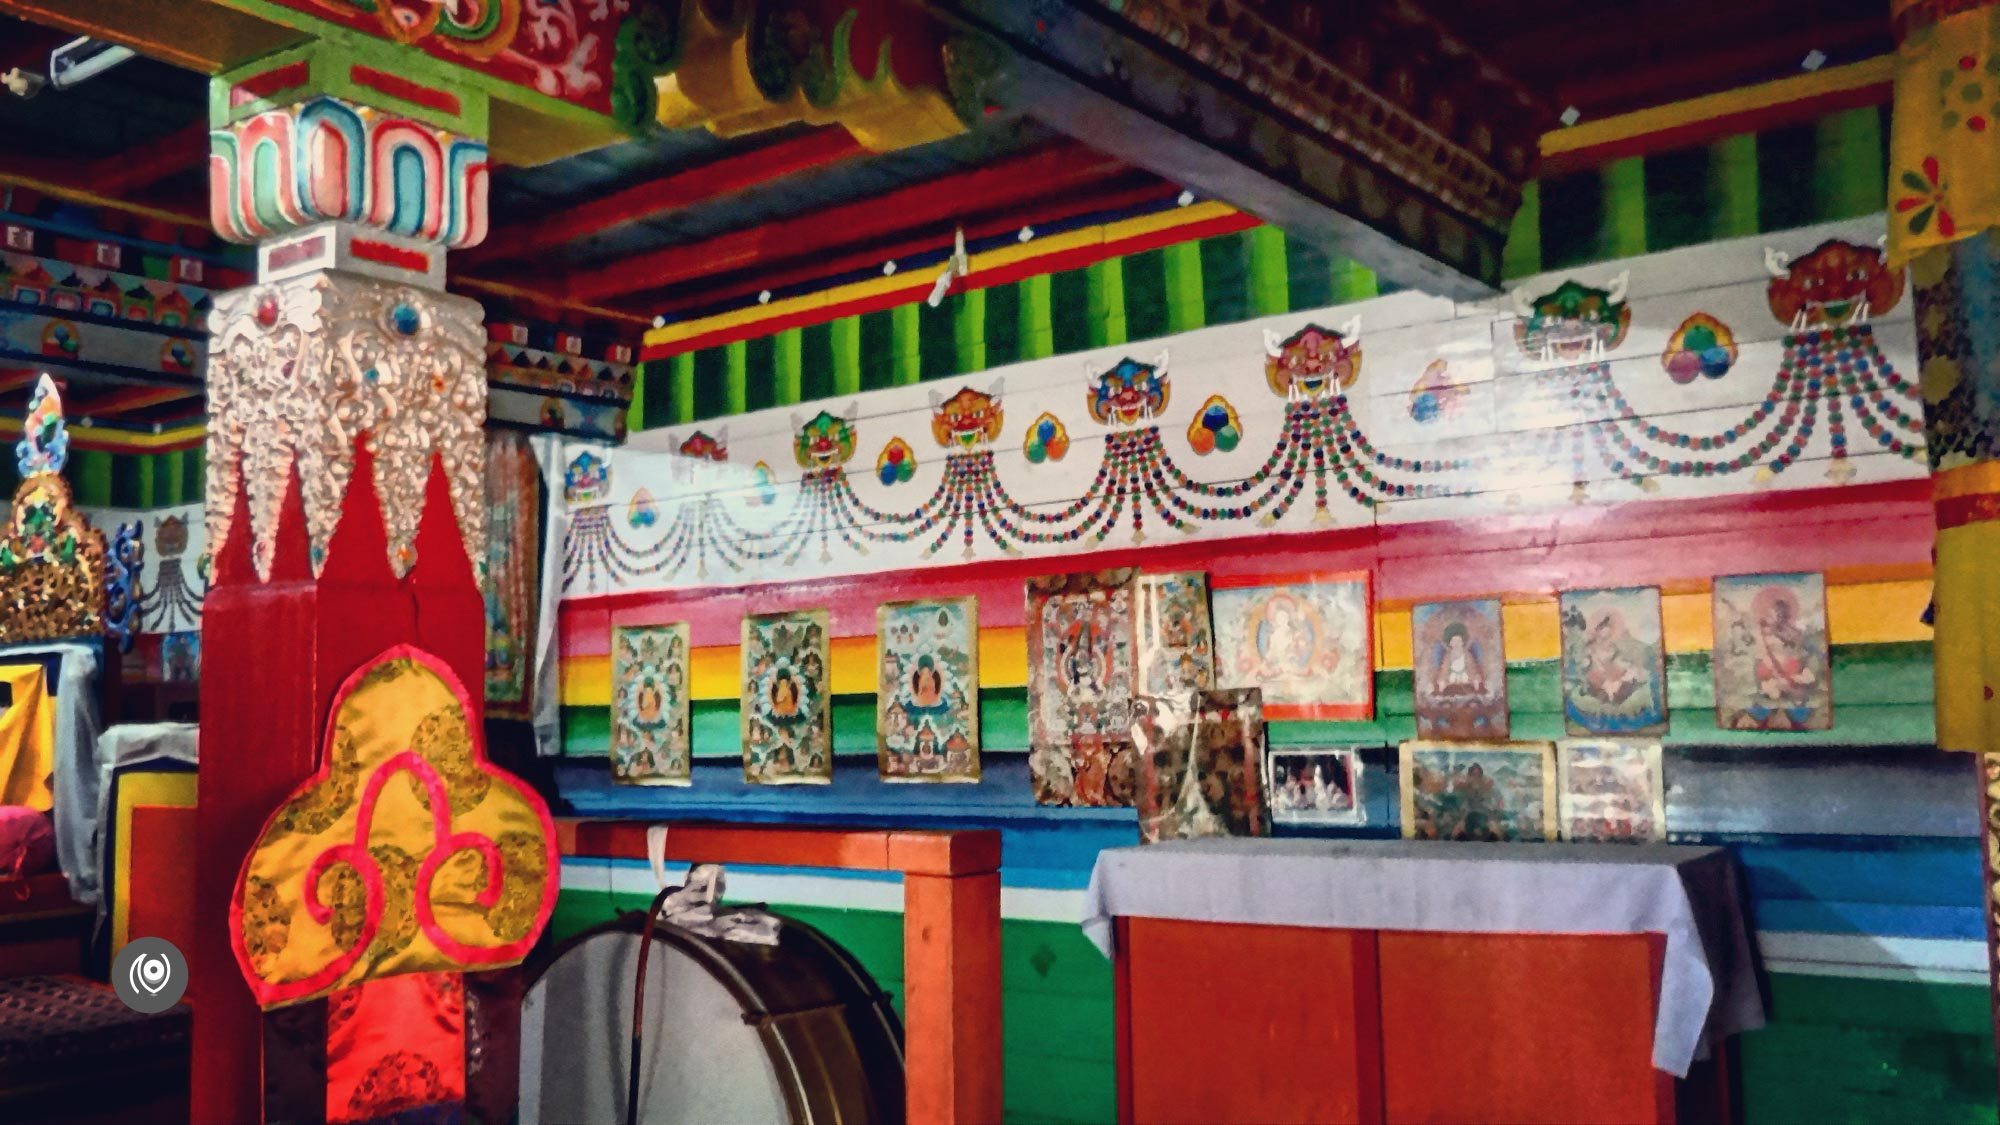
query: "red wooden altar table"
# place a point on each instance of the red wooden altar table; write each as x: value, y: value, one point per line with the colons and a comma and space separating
x: 951, y: 935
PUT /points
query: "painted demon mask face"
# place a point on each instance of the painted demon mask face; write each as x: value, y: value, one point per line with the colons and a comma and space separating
x: 968, y: 419
x: 1836, y: 283
x: 1313, y: 361
x: 1573, y: 321
x: 1129, y: 392
x: 824, y: 442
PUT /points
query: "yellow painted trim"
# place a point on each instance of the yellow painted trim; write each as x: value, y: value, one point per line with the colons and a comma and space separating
x: 1966, y: 480
x: 985, y: 260
x: 161, y: 788
x: 1745, y: 99
x: 93, y: 437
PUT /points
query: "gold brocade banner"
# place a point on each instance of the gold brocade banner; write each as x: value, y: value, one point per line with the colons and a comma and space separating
x: 1944, y: 148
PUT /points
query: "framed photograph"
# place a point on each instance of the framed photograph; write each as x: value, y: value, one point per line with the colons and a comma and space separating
x: 1614, y: 662
x: 1461, y: 670
x: 927, y: 698
x: 1173, y: 644
x: 1612, y: 789
x: 649, y: 705
x: 1772, y: 669
x: 1306, y: 640
x: 1201, y: 764
x: 1316, y: 787
x: 787, y: 709
x: 1479, y: 790
x: 1080, y: 675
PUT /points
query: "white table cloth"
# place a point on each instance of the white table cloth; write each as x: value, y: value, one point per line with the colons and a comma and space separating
x: 1708, y: 984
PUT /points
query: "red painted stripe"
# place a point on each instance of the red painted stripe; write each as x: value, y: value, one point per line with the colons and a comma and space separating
x: 273, y: 81
x: 1873, y: 529
x: 396, y: 86
x: 1980, y: 507
x: 922, y: 280
x: 396, y: 257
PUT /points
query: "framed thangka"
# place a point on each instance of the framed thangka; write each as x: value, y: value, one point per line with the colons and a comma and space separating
x: 1612, y: 789
x: 927, y: 701
x: 1772, y: 670
x: 1174, y: 644
x: 1080, y: 688
x: 649, y: 705
x: 1201, y: 764
x: 1461, y: 670
x: 1614, y: 662
x: 787, y: 727
x: 1479, y: 791
x: 1315, y: 787
x: 1308, y: 641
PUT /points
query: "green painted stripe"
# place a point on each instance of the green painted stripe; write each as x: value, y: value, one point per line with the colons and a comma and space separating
x: 1623, y: 233
x: 758, y: 376
x: 906, y: 361
x: 1106, y: 281
x: 681, y: 396
x: 1037, y: 327
x: 1848, y: 177
x: 788, y: 367
x: 1733, y: 187
x: 736, y: 376
x: 1187, y: 308
x: 845, y: 339
x: 1270, y: 289
x: 969, y: 331
x: 1523, y: 253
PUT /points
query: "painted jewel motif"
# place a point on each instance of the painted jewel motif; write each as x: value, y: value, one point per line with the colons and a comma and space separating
x: 928, y: 690
x: 587, y: 479
x: 1313, y: 361
x: 301, y: 392
x: 1215, y: 427
x: 640, y: 511
x: 52, y: 562
x: 824, y: 442
x: 968, y: 419
x: 1573, y: 321
x: 650, y: 705
x: 1436, y: 394
x: 898, y: 463
x: 461, y: 878
x: 787, y: 709
x: 1701, y: 346
x: 1129, y: 392
x: 1048, y: 440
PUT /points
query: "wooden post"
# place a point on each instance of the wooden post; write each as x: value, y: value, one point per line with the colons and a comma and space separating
x: 951, y: 982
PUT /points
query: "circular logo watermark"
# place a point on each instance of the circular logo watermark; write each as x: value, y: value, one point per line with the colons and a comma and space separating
x: 150, y: 975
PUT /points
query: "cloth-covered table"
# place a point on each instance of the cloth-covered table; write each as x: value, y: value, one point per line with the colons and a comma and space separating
x: 1708, y: 986
x: 122, y: 747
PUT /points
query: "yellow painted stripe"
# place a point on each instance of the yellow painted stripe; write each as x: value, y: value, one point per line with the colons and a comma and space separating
x: 101, y: 438
x: 1745, y: 99
x: 1966, y: 480
x: 990, y: 259
x: 1858, y: 613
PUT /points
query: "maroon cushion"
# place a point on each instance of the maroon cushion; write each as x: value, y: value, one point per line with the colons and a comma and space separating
x: 27, y: 842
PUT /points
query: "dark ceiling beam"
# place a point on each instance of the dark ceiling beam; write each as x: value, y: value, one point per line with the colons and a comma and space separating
x: 67, y: 181
x: 1668, y: 75
x: 726, y: 176
x: 1134, y: 189
x: 1049, y: 170
x: 127, y: 399
x: 148, y: 164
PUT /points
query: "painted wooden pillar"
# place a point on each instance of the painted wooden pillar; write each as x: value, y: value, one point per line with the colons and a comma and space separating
x: 347, y: 400
x: 1944, y: 220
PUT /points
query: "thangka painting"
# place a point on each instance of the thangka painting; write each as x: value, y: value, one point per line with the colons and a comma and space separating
x: 649, y: 705
x: 927, y: 701
x: 1175, y: 645
x: 1612, y: 790
x: 1201, y: 764
x: 1771, y: 666
x: 1614, y: 662
x: 787, y: 710
x: 1307, y: 641
x: 1320, y: 787
x: 1080, y: 672
x: 1479, y: 791
x: 1461, y: 670
x: 513, y: 564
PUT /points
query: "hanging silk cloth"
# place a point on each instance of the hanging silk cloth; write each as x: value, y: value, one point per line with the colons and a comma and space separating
x: 27, y: 737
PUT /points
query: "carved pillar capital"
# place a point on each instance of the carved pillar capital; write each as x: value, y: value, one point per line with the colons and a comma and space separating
x: 302, y: 370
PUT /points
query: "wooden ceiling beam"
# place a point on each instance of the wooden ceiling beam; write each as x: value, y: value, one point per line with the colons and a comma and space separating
x: 1133, y: 190
x: 126, y: 399
x: 726, y: 176
x: 54, y: 178
x: 148, y: 164
x: 1049, y: 170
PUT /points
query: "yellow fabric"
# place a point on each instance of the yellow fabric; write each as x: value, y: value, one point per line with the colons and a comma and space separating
x: 1967, y: 656
x: 27, y: 739
x: 398, y: 705
x: 1944, y: 148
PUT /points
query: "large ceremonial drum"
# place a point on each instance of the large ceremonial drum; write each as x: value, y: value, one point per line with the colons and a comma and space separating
x: 732, y: 1033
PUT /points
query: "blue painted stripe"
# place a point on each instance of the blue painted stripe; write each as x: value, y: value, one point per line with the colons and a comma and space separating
x: 1869, y: 919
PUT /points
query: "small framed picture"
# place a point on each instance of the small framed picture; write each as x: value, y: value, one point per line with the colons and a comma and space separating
x: 1318, y: 786
x: 1612, y: 790
x: 1479, y: 790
